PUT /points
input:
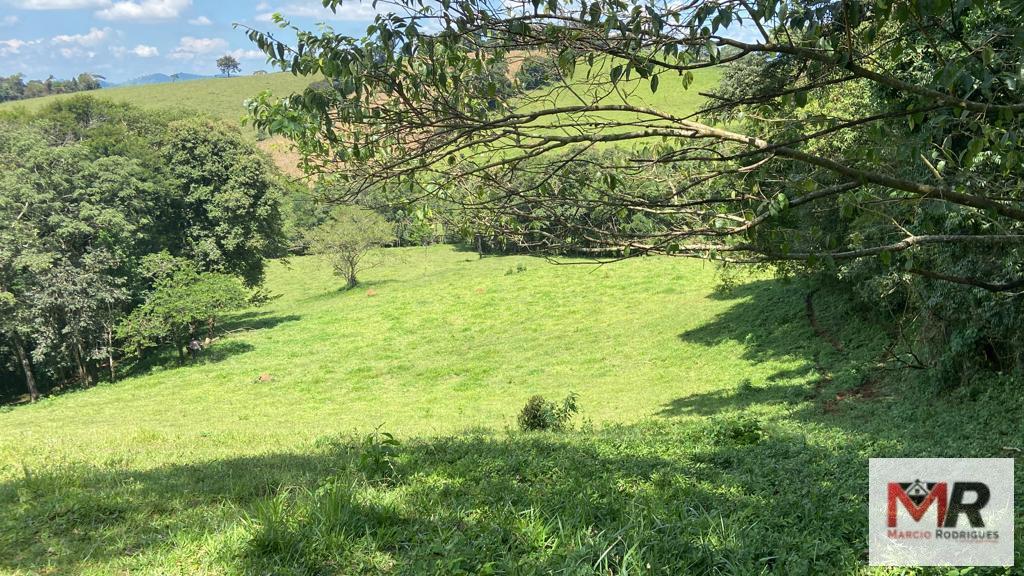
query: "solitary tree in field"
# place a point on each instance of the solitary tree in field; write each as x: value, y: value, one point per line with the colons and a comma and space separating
x: 228, y: 64
x: 348, y: 239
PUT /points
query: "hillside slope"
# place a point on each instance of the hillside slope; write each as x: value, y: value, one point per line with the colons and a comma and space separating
x: 220, y: 98
x: 717, y: 434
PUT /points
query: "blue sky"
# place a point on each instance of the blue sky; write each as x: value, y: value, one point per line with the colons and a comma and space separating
x: 123, y: 39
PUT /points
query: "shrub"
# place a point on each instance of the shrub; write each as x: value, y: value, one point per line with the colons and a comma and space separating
x: 742, y: 430
x: 518, y: 269
x: 537, y: 71
x: 540, y: 414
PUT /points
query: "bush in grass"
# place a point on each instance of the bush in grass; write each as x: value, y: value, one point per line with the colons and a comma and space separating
x: 540, y: 414
x: 537, y: 71
x: 742, y: 430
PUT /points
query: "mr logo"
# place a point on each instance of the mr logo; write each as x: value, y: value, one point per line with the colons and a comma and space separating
x: 917, y: 497
x: 940, y: 512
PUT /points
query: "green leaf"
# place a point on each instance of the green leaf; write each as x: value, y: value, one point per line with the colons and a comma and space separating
x: 616, y: 73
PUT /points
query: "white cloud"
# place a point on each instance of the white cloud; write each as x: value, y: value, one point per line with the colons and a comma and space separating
x: 262, y: 6
x: 200, y: 21
x: 144, y: 10
x: 188, y: 48
x: 247, y: 54
x: 356, y: 11
x: 92, y: 38
x: 76, y: 53
x: 12, y: 46
x: 8, y: 21
x: 143, y: 51
x: 59, y: 4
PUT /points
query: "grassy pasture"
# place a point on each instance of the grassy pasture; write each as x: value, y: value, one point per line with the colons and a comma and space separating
x: 718, y: 433
x: 219, y: 98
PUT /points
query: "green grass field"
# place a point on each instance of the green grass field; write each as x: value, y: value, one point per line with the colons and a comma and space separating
x: 219, y: 98
x: 717, y: 435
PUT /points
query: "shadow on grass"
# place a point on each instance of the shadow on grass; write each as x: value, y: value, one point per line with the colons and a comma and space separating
x: 256, y: 320
x: 652, y: 497
x: 358, y: 290
x: 769, y: 320
x: 846, y: 392
x: 743, y: 397
x: 222, y: 350
x: 168, y: 359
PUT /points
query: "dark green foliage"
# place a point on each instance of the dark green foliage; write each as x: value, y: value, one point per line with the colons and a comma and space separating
x: 89, y: 190
x: 229, y: 213
x: 541, y: 414
x: 14, y: 87
x: 183, y: 304
x: 494, y: 82
x: 536, y: 71
x: 228, y: 64
x: 952, y: 307
x: 564, y: 204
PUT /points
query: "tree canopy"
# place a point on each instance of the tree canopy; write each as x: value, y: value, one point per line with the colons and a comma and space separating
x: 228, y: 64
x: 89, y: 190
x: 348, y: 238
x: 869, y: 141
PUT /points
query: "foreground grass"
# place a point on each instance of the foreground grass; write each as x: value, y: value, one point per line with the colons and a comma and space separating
x: 722, y: 435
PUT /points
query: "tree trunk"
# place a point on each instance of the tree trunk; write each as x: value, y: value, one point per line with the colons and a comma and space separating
x: 83, y: 369
x: 351, y: 281
x: 480, y: 245
x: 26, y: 366
x: 110, y: 354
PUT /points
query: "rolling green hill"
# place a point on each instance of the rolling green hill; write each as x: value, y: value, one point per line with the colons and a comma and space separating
x: 217, y: 97
x: 223, y: 97
x: 717, y: 432
x: 374, y: 431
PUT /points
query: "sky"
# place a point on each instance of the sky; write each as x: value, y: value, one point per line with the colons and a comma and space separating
x: 125, y: 39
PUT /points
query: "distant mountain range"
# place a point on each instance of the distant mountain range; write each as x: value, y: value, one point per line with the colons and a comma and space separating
x: 158, y: 79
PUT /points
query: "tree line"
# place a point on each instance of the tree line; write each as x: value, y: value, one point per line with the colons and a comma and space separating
x: 14, y: 87
x: 123, y: 234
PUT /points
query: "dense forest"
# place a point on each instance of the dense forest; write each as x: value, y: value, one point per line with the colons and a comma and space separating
x: 123, y: 231
x: 14, y: 87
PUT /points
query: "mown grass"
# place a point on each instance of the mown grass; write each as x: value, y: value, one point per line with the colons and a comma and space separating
x: 220, y: 98
x: 718, y: 435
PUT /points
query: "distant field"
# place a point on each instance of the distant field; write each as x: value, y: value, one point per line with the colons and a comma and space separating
x: 217, y: 97
x: 223, y: 97
x: 670, y: 96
